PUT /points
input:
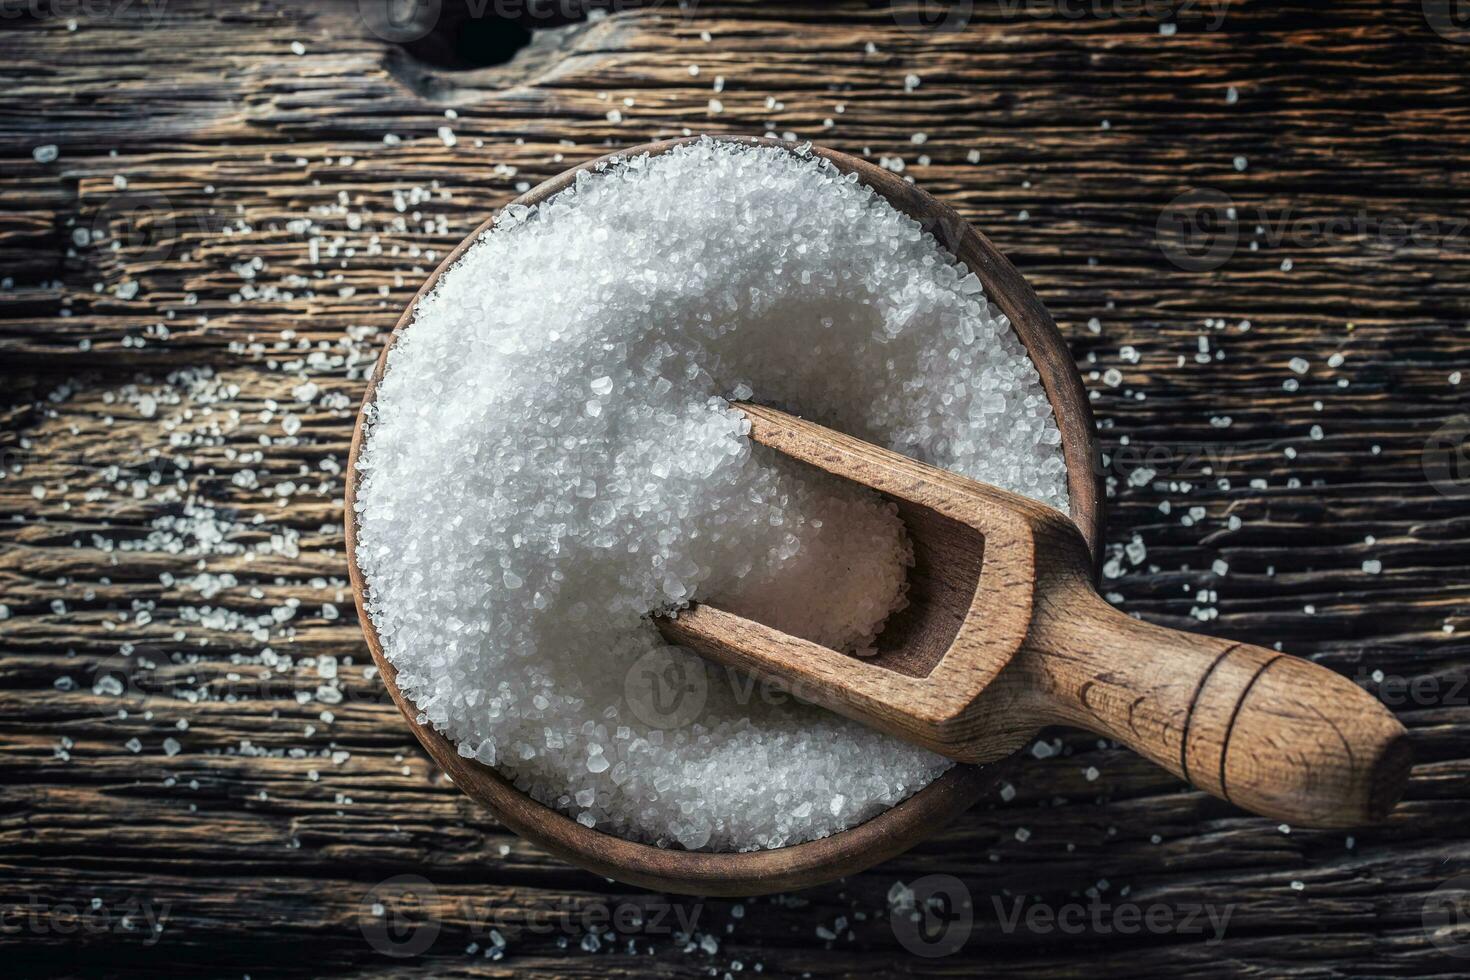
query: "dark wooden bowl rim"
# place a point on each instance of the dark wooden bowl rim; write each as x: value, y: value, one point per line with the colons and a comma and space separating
x: 890, y: 832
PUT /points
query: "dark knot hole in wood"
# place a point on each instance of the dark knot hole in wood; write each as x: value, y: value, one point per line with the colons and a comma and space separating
x: 464, y: 37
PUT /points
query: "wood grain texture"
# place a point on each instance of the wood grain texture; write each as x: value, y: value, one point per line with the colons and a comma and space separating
x: 228, y: 137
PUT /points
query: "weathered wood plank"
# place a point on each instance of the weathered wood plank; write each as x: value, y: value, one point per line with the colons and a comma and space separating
x: 235, y: 150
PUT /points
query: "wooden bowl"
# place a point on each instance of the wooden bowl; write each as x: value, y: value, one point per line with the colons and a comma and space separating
x: 889, y: 833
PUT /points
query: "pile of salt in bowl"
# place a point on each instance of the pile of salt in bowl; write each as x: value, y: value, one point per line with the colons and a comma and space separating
x: 552, y: 456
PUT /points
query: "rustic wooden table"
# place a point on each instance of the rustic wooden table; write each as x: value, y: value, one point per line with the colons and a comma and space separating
x: 198, y: 774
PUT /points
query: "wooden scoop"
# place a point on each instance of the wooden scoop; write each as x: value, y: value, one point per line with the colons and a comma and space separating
x: 1005, y: 634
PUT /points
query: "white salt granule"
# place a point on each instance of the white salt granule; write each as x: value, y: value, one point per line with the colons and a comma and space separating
x: 551, y: 458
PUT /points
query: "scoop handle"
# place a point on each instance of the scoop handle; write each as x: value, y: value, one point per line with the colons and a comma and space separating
x: 1277, y: 735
